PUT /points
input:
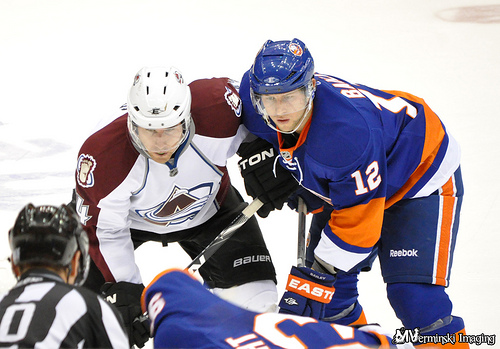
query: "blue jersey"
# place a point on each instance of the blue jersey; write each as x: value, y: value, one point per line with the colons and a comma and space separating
x: 185, y: 315
x: 361, y: 151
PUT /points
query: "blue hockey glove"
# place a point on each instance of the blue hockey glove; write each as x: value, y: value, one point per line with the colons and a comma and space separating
x: 307, y: 293
x: 313, y: 203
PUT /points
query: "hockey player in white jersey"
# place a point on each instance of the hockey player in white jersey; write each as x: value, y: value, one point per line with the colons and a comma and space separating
x: 158, y: 173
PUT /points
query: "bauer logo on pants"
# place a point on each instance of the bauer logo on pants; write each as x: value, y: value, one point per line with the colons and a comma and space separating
x: 251, y: 259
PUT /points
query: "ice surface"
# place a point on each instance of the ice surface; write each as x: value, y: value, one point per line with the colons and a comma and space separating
x: 67, y: 64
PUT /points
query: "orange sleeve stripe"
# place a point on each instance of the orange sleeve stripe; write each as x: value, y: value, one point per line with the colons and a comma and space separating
x: 359, y: 225
x: 415, y: 176
x: 434, y: 135
x: 447, y: 219
x: 434, y: 132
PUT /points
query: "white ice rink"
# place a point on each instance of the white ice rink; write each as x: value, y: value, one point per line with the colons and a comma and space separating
x: 65, y: 64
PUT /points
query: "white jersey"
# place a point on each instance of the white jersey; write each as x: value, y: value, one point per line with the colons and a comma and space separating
x: 119, y: 189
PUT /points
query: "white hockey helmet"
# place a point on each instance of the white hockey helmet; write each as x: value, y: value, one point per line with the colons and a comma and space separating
x: 158, y: 99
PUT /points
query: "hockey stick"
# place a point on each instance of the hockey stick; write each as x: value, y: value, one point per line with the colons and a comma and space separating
x: 224, y: 235
x: 301, y: 241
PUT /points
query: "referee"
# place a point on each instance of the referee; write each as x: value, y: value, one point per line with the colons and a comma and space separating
x: 46, y: 309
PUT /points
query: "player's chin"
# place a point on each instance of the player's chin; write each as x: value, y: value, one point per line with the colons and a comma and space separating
x: 283, y: 124
x: 160, y: 156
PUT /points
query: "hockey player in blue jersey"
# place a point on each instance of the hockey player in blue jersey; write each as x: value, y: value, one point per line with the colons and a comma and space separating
x: 382, y: 168
x: 184, y: 314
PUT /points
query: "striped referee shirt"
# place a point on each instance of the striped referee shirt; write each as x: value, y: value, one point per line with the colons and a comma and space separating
x: 41, y: 311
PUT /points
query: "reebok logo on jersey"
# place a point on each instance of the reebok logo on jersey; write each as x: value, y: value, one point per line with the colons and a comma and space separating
x: 403, y: 253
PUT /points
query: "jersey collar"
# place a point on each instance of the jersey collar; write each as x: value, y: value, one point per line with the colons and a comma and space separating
x: 287, y: 153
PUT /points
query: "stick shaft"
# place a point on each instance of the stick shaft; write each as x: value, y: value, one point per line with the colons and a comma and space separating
x: 224, y: 235
x: 301, y: 239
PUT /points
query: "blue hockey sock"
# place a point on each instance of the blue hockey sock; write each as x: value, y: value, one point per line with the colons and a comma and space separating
x: 344, y: 308
x: 408, y: 300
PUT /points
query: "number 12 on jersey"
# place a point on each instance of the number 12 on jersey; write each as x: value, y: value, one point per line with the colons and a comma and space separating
x: 372, y: 180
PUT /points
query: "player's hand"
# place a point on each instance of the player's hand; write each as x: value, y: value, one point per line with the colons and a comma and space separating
x: 263, y: 180
x: 126, y: 297
x: 307, y: 293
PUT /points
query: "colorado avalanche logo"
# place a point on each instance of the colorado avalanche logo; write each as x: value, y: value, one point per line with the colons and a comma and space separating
x: 85, y: 170
x: 234, y: 101
x: 181, y: 205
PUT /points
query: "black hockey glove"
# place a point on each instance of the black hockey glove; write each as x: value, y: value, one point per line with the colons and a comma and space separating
x: 257, y: 169
x: 126, y: 297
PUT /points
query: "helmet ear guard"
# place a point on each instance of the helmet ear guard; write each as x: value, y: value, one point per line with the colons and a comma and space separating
x: 49, y: 236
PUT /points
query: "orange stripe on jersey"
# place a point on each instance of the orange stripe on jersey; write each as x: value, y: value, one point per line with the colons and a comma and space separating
x: 415, y: 176
x: 434, y: 134
x: 359, y: 225
x: 447, y: 217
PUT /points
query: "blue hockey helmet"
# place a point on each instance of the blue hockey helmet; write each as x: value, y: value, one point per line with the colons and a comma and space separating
x: 281, y: 66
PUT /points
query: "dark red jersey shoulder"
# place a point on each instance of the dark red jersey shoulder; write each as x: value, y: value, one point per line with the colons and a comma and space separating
x: 106, y: 158
x: 215, y: 107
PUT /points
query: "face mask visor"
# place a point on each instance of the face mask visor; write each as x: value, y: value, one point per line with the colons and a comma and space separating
x: 298, y: 101
x: 158, y: 141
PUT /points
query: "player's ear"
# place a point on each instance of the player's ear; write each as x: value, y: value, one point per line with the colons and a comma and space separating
x: 15, y: 268
x: 75, y: 263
